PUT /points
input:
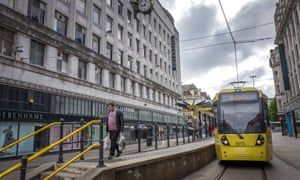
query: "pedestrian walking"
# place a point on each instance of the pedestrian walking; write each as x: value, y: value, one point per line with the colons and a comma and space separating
x: 114, y: 126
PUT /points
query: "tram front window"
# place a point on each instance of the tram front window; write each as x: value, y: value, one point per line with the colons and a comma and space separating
x: 240, y: 117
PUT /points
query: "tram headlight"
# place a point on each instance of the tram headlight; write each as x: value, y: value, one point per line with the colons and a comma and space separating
x: 225, y: 141
x: 260, y: 140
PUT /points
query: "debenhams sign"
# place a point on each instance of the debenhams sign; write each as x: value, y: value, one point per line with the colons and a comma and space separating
x: 20, y: 115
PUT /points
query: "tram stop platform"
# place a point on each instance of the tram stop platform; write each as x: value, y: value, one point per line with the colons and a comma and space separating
x: 173, y: 162
x: 185, y: 161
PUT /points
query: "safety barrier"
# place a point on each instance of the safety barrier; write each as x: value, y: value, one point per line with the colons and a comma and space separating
x: 25, y: 160
x: 28, y: 136
x: 71, y: 161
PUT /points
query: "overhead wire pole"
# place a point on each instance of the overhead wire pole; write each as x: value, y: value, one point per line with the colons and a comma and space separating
x: 233, y: 41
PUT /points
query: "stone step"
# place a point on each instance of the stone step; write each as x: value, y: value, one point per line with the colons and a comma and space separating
x: 60, y: 176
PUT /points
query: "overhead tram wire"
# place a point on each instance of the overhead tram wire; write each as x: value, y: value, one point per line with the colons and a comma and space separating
x: 224, y: 43
x: 233, y: 41
x: 225, y: 33
x: 221, y: 34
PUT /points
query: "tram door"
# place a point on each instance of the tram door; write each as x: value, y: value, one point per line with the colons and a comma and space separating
x: 41, y: 139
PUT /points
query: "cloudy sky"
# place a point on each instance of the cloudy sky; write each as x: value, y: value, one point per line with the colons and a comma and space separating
x: 206, y: 49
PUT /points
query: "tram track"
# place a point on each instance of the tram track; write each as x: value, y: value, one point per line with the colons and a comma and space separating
x: 242, y: 170
x: 222, y: 171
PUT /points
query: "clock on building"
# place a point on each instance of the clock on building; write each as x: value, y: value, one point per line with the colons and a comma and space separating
x: 143, y: 6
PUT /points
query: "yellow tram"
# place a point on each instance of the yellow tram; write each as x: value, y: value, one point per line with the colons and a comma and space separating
x: 243, y: 131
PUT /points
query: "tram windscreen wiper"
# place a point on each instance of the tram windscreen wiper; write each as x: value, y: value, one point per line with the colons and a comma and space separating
x: 240, y: 136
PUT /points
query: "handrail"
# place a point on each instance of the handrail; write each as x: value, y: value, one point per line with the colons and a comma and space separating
x: 28, y: 136
x: 46, y: 149
x: 71, y: 161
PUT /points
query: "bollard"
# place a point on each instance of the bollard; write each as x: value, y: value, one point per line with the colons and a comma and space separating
x: 23, y: 167
x: 61, y: 134
x: 100, y: 160
x: 81, y: 138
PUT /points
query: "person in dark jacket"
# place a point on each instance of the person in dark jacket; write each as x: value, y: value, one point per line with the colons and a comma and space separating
x: 114, y: 126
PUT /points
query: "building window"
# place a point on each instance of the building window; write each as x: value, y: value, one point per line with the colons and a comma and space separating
x: 81, y: 7
x: 109, y: 3
x: 80, y: 34
x: 148, y: 92
x: 6, y: 42
x: 37, y: 53
x: 109, y: 24
x: 61, y: 22
x: 141, y: 90
x: 129, y: 40
x: 137, y: 45
x: 112, y: 80
x: 144, y: 31
x: 150, y: 55
x: 150, y: 36
x: 109, y: 50
x: 98, y: 76
x: 120, y: 32
x: 123, y: 84
x: 129, y: 17
x: 145, y: 71
x: 82, y: 70
x: 138, y: 67
x: 137, y: 25
x: 120, y: 57
x: 132, y: 87
x: 37, y: 10
x: 96, y: 43
x: 62, y: 62
x: 145, y: 50
x: 96, y: 15
x: 130, y: 62
x: 120, y: 8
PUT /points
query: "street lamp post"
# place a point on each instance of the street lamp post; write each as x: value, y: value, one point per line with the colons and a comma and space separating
x: 252, y: 77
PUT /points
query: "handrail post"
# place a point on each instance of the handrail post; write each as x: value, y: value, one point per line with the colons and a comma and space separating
x: 168, y: 135
x: 183, y: 135
x: 177, y: 135
x: 101, y: 157
x: 81, y: 138
x: 24, y: 167
x: 156, y: 134
x: 61, y: 132
x: 139, y: 136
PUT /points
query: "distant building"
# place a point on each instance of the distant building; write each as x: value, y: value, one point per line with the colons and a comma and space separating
x: 69, y: 58
x: 197, y: 118
x: 285, y: 63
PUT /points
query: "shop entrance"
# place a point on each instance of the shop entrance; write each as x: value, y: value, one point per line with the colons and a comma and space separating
x: 41, y: 139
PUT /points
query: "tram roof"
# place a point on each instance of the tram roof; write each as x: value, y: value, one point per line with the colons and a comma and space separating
x: 242, y: 89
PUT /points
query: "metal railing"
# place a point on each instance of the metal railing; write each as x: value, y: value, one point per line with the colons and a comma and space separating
x: 28, y: 136
x: 71, y: 161
x: 46, y: 149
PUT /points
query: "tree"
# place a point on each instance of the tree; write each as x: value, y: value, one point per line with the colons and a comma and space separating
x: 273, y: 110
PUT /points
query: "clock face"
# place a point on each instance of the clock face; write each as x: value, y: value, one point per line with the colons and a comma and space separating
x: 144, y: 5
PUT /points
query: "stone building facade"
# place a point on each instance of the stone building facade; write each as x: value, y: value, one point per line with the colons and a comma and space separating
x: 66, y: 59
x: 285, y: 62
